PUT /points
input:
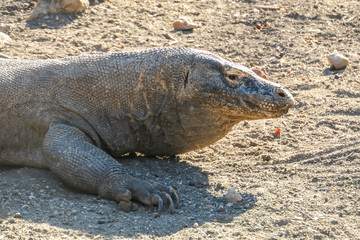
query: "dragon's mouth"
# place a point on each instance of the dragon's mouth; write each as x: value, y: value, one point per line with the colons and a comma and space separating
x: 257, y: 111
x: 249, y: 109
x: 267, y: 107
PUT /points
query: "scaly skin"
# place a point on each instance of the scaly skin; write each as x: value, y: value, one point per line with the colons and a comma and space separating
x: 76, y: 115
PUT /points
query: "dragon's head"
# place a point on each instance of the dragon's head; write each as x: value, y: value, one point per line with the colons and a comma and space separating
x: 234, y: 90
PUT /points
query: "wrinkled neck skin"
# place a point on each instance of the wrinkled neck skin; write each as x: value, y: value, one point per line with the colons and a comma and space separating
x: 203, y: 124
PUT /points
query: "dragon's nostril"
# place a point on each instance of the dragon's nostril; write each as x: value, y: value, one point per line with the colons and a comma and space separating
x: 280, y: 93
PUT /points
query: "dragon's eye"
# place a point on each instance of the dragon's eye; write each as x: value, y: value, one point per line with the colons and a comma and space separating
x: 235, y: 77
x: 232, y: 77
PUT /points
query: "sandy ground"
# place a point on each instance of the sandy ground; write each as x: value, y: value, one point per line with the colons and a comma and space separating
x: 304, y: 185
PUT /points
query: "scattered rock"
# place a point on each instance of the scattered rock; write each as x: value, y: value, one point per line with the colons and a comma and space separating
x: 197, y: 183
x: 17, y: 215
x: 4, y: 28
x: 261, y: 72
x: 266, y: 157
x: 11, y: 220
x: 196, y: 225
x: 192, y: 183
x: 125, y: 206
x: 253, y: 144
x: 334, y: 222
x: 220, y: 209
x: 102, y: 221
x: 184, y: 23
x: 4, y: 38
x: 219, y: 186
x: 229, y: 204
x: 315, y: 179
x: 233, y: 196
x: 57, y: 6
x: 224, y: 218
x: 134, y: 207
x: 338, y: 61
x: 240, y: 145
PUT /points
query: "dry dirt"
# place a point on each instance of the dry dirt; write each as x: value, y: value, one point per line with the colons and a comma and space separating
x: 304, y: 185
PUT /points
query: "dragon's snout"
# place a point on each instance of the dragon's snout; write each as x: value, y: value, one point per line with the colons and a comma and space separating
x: 284, y: 98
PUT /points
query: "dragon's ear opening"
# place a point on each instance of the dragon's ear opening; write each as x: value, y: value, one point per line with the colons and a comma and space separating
x: 186, y: 80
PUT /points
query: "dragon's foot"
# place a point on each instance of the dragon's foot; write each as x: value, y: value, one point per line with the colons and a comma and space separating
x: 126, y: 188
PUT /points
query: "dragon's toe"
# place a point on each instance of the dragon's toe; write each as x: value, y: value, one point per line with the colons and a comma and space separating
x: 126, y: 188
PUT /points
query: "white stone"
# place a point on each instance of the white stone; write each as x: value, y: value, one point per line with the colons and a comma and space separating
x: 4, y: 38
x: 233, y: 196
x: 184, y: 23
x: 57, y: 6
x: 338, y: 60
x: 4, y: 28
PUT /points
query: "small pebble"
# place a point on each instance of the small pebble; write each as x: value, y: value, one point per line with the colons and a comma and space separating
x: 229, y: 204
x: 253, y: 144
x: 266, y: 157
x: 197, y: 183
x: 125, y: 206
x: 220, y: 209
x: 196, y: 225
x: 219, y: 185
x: 184, y: 23
x: 134, y: 207
x: 4, y: 38
x: 233, y: 196
x: 240, y: 145
x: 4, y: 28
x: 338, y: 61
x: 191, y: 183
x: 261, y: 72
x: 17, y: 215
x: 315, y: 179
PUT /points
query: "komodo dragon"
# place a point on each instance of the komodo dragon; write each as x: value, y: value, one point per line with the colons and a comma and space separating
x: 76, y: 115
